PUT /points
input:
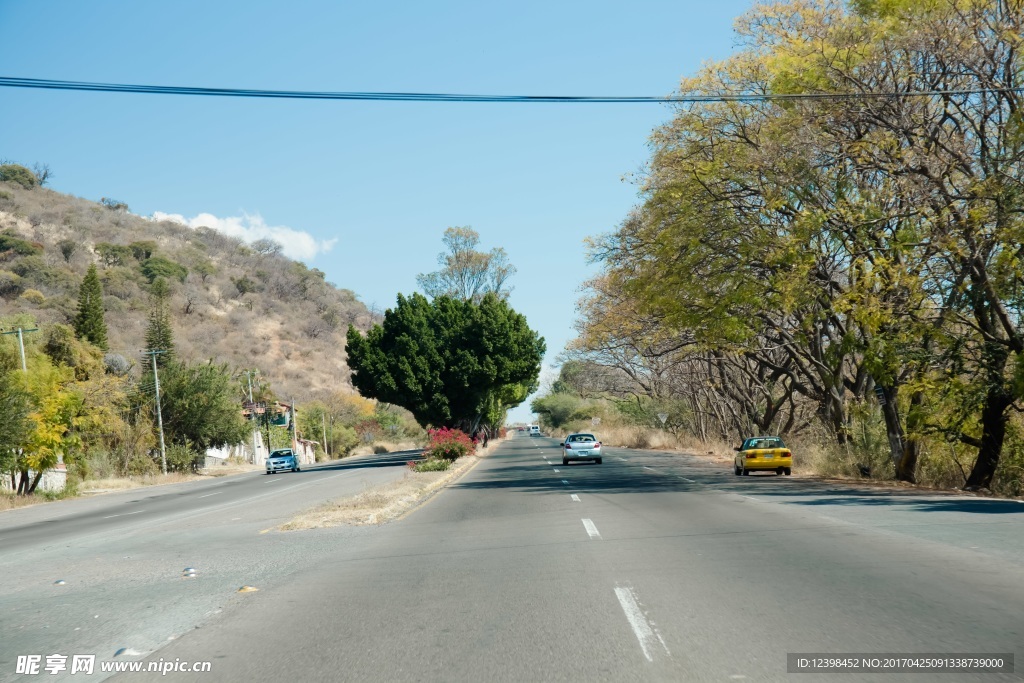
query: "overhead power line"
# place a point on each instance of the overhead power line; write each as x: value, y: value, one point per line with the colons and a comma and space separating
x: 11, y: 82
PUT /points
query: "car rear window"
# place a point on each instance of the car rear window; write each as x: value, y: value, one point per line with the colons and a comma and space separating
x: 578, y: 438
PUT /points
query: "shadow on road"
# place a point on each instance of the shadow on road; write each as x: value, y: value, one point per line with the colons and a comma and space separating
x: 613, y: 477
x: 396, y: 459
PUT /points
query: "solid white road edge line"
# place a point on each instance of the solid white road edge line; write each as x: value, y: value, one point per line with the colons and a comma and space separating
x: 210, y: 494
x: 645, y: 633
x: 591, y: 529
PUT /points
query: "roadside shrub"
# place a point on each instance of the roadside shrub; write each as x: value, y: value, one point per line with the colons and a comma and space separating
x: 98, y: 464
x: 430, y: 465
x: 448, y: 444
x: 141, y: 465
x: 343, y: 440
x: 183, y: 458
x: 70, y: 490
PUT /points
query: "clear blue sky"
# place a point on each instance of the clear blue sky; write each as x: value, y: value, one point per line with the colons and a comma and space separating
x: 371, y: 185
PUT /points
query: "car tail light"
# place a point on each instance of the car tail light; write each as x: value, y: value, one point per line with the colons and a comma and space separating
x: 787, y: 454
x: 597, y: 445
x: 568, y: 446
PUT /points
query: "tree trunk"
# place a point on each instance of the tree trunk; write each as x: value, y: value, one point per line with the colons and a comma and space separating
x: 35, y: 482
x: 894, y: 429
x: 993, y: 431
x: 906, y: 467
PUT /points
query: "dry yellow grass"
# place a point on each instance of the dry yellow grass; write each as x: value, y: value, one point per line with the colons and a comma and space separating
x: 379, y: 504
x: 9, y: 501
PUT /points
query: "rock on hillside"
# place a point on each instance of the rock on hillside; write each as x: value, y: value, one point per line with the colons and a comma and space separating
x: 246, y: 305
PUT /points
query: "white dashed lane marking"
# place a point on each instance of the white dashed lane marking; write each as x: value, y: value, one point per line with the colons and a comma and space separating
x: 645, y: 632
x: 575, y: 498
x: 124, y: 514
x: 591, y: 529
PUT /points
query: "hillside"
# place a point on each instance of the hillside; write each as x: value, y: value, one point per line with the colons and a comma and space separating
x: 246, y: 305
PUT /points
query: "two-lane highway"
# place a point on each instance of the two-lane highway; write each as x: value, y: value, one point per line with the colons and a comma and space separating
x: 96, y: 575
x: 647, y: 567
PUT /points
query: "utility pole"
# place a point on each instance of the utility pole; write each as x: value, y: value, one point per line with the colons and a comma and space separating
x: 21, y: 343
x: 323, y: 425
x: 255, y: 424
x: 152, y: 353
x: 295, y: 428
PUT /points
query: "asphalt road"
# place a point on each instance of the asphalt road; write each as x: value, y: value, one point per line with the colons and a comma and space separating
x: 121, y: 558
x: 648, y: 567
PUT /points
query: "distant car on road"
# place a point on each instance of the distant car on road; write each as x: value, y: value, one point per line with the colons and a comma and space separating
x: 581, y: 446
x: 282, y: 459
x: 534, y: 430
x: 763, y: 453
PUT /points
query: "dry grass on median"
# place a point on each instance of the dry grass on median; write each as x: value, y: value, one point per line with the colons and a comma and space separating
x: 383, y: 503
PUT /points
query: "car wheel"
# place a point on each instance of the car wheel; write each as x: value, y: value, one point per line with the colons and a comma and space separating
x: 565, y: 462
x: 778, y: 472
x: 298, y: 469
x: 736, y: 470
x: 746, y: 472
x: 598, y: 461
x: 789, y: 471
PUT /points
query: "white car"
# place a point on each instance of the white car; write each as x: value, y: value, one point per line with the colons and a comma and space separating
x: 534, y: 430
x: 581, y: 446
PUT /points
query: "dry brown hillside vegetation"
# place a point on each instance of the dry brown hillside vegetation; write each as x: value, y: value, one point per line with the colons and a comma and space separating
x: 243, y: 304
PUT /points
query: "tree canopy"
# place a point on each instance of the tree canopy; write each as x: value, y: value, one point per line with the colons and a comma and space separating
x: 465, y: 272
x: 450, y: 362
x: 792, y: 259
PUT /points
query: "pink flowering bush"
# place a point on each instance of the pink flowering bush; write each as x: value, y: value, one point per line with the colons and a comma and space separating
x: 448, y: 444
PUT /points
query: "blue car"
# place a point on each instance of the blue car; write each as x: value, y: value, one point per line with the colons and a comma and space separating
x: 281, y: 460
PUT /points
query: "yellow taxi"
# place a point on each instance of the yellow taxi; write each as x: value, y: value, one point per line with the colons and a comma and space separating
x: 763, y: 453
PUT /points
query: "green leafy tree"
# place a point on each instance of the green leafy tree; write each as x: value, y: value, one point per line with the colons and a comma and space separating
x: 158, y: 266
x: 113, y: 254
x: 143, y: 250
x: 15, y: 404
x: 201, y: 406
x: 446, y: 360
x: 89, y: 322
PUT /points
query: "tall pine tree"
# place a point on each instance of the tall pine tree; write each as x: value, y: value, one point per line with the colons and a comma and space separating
x: 159, y: 335
x: 89, y: 324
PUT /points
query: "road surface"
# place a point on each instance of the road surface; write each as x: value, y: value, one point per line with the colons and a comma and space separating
x: 649, y: 567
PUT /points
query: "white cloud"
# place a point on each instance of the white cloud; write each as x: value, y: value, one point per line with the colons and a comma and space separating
x: 296, y: 244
